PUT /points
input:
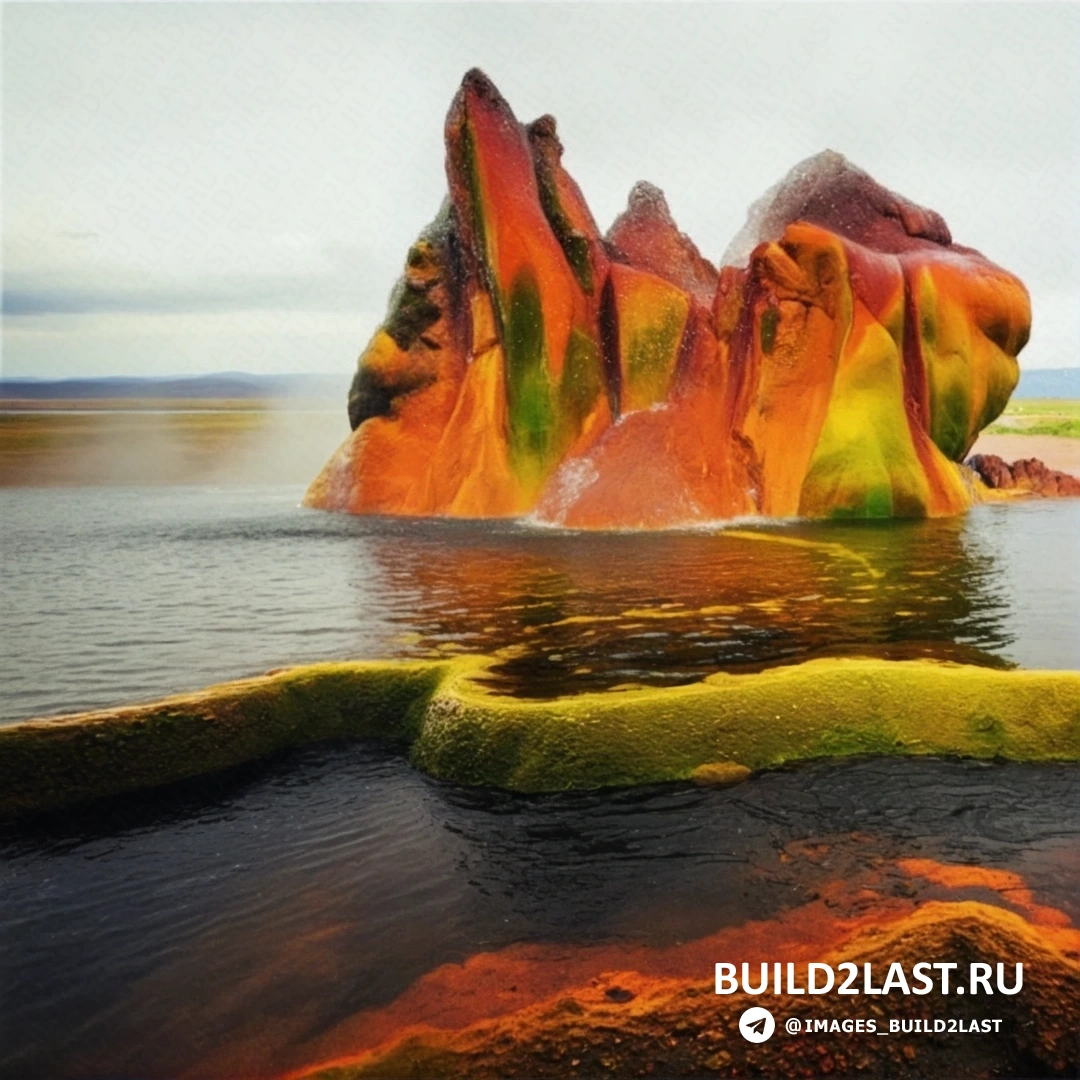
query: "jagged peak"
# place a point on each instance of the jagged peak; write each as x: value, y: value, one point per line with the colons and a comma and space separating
x: 829, y: 190
x: 646, y: 197
x: 646, y: 236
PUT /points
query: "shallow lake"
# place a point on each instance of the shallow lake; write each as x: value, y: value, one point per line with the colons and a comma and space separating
x: 121, y: 595
x: 238, y: 922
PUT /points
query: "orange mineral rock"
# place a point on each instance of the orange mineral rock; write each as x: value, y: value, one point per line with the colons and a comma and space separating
x: 840, y: 364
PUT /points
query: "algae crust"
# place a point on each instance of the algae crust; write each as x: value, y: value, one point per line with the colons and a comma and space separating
x: 821, y: 708
x: 46, y: 764
x: 677, y: 1026
x: 456, y: 729
x: 720, y: 774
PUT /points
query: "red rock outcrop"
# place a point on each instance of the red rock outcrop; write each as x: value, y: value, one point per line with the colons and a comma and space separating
x: 1028, y: 475
x: 842, y: 364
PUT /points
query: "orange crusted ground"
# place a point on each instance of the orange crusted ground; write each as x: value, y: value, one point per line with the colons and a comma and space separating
x: 538, y: 1010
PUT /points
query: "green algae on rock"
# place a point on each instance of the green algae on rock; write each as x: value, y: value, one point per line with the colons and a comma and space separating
x: 457, y: 730
x: 47, y: 764
x: 822, y: 708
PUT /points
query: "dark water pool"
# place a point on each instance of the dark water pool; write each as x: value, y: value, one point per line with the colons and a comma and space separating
x: 141, y: 936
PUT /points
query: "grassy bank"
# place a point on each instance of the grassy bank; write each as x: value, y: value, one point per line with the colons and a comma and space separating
x: 1039, y: 417
x: 456, y: 730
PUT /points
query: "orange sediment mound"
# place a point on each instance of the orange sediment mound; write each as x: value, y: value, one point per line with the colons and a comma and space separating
x: 842, y: 365
x: 1011, y: 887
x: 633, y: 1009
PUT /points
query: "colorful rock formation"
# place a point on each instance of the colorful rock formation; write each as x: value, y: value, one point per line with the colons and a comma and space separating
x: 840, y: 366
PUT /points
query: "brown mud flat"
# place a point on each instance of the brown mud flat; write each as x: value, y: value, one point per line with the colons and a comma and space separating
x: 632, y: 1010
x: 151, y: 442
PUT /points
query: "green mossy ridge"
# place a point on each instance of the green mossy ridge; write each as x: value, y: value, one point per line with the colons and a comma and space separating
x: 47, y: 764
x: 460, y: 732
x: 821, y: 708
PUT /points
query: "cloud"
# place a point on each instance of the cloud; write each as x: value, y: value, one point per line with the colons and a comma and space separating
x: 175, y: 161
x: 27, y: 297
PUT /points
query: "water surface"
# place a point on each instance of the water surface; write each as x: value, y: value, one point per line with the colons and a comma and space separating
x: 245, y: 916
x: 147, y: 935
x: 119, y: 595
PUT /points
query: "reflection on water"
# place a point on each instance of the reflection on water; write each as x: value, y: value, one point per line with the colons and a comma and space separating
x: 122, y: 595
x: 252, y: 913
x: 577, y: 612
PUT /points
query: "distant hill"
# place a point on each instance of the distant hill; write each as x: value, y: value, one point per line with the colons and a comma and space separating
x: 227, y: 384
x: 1049, y: 383
x: 1039, y: 383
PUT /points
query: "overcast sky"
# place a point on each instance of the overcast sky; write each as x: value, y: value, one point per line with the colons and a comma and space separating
x: 203, y: 187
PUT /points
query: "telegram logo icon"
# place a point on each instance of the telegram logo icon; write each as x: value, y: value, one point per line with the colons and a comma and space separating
x: 757, y: 1025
